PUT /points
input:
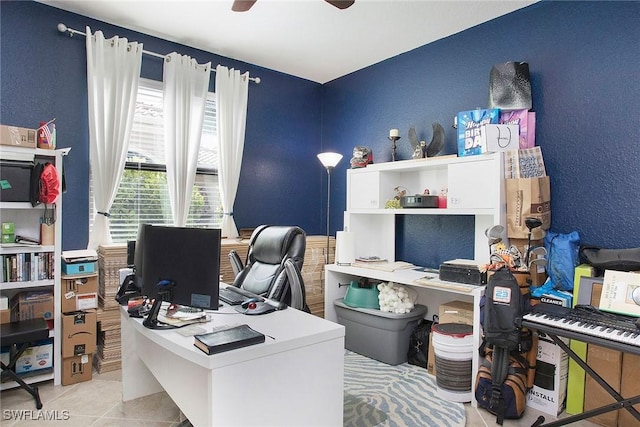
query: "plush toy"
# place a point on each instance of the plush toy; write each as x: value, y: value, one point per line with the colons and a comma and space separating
x: 394, y: 298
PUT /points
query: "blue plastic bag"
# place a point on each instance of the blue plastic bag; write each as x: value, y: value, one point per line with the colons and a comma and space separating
x: 562, y: 259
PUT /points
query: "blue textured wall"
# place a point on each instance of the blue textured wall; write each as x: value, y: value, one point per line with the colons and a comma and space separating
x: 43, y: 75
x: 584, y: 59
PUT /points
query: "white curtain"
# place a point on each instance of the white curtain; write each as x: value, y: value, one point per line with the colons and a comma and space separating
x: 113, y: 70
x: 232, y: 91
x: 186, y: 84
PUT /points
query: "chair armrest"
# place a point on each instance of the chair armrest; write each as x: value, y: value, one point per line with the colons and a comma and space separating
x: 296, y: 284
x: 236, y: 262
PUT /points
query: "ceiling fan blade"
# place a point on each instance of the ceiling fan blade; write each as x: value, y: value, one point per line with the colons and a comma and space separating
x: 341, y: 4
x: 242, y: 5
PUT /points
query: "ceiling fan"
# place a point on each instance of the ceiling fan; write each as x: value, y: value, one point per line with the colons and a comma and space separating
x: 245, y: 5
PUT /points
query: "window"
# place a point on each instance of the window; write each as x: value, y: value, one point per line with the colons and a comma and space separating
x: 142, y: 196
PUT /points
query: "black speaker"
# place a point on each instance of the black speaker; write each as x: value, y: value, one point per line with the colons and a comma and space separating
x: 131, y: 252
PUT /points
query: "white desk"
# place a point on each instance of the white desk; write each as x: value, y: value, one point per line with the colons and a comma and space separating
x: 295, y: 378
x: 431, y: 295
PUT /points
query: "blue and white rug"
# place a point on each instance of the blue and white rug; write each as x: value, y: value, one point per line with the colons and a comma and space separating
x: 377, y: 394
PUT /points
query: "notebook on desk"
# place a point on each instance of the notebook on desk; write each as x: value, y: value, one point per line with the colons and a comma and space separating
x: 228, y: 339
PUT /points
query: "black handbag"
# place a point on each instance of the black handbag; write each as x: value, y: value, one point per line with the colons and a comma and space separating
x: 510, y: 86
x: 418, y: 353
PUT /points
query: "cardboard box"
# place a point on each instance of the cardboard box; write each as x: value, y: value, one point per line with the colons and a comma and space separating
x: 77, y: 369
x: 79, y: 293
x: 431, y: 357
x: 608, y: 364
x: 8, y: 238
x: 35, y: 358
x: 17, y: 136
x: 5, y: 316
x: 456, y: 312
x: 550, y: 384
x: 81, y: 268
x: 629, y: 387
x: 4, y: 302
x: 79, y: 333
x: 31, y: 305
x: 82, y: 262
x: 620, y: 293
x: 561, y: 298
x: 8, y: 228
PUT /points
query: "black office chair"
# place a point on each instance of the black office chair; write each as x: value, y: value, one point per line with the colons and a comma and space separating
x: 19, y: 336
x: 274, y: 264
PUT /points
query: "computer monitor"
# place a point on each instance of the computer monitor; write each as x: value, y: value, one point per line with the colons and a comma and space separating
x: 178, y: 264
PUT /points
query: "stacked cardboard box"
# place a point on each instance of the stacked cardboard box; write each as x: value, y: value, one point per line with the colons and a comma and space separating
x: 78, y: 345
x: 79, y: 292
x: 8, y: 232
x: 79, y: 301
x: 111, y: 258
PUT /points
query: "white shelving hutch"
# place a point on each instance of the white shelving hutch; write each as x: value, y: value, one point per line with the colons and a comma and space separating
x: 27, y: 222
x: 475, y: 187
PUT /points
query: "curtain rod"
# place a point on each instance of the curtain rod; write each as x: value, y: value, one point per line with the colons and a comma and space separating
x: 64, y: 29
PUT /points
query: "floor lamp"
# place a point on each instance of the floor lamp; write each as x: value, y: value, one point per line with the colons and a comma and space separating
x: 329, y: 161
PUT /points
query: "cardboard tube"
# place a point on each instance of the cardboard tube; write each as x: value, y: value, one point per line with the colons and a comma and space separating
x: 47, y: 234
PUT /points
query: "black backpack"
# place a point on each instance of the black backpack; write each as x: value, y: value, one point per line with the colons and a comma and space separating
x: 504, y: 307
x: 501, y: 317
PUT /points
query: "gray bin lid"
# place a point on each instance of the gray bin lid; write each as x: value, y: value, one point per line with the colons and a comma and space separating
x: 419, y: 310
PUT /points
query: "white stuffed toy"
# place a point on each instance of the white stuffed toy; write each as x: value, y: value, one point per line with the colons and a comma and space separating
x: 394, y: 298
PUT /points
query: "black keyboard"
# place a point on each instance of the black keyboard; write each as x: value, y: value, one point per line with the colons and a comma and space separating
x: 234, y: 296
x: 586, y: 321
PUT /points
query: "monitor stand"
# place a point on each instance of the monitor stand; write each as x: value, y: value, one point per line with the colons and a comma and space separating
x: 151, y: 321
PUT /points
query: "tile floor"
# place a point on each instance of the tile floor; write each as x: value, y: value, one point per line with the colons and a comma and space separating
x: 98, y: 403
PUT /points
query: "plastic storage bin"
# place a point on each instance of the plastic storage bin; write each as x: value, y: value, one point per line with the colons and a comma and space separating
x: 378, y: 334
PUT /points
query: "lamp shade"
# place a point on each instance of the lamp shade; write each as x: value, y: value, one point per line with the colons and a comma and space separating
x: 329, y: 160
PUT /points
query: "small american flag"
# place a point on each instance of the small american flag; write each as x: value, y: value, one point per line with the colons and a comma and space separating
x: 46, y: 135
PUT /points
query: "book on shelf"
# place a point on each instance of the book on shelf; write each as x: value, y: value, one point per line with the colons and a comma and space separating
x: 228, y: 339
x: 26, y: 266
x: 26, y: 241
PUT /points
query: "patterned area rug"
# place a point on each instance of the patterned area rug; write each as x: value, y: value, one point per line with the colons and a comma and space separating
x: 377, y: 394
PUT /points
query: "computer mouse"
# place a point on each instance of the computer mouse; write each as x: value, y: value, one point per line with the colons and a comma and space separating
x: 255, y: 308
x: 250, y: 303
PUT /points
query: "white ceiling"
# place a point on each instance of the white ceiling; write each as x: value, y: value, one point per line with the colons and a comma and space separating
x: 305, y: 38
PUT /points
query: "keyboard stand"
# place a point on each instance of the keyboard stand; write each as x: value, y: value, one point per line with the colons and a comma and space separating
x: 621, y: 402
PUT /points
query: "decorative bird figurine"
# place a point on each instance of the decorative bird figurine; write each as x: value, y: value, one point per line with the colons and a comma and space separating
x: 421, y: 149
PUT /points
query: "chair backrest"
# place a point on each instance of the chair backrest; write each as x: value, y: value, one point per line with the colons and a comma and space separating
x: 269, y: 248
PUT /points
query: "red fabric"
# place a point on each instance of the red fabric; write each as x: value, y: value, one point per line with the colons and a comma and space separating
x: 49, y: 184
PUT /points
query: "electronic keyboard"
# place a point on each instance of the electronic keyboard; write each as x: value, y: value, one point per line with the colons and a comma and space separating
x: 588, y: 324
